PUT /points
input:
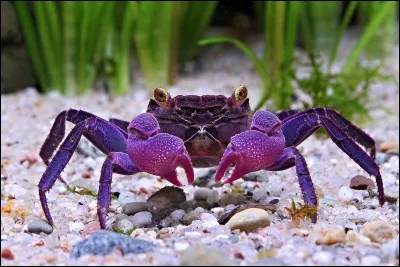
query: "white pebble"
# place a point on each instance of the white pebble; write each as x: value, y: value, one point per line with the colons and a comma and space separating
x: 209, y: 220
x: 181, y: 246
x: 345, y: 194
x: 193, y: 235
x: 126, y: 197
x: 177, y: 215
x: 76, y: 226
x: 370, y: 260
x: 125, y: 225
x: 323, y: 257
x: 274, y: 189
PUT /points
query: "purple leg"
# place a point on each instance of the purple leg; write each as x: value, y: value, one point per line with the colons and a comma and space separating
x: 120, y: 123
x: 356, y: 133
x: 106, y: 133
x: 57, y: 133
x: 290, y: 157
x: 297, y: 128
x: 286, y: 113
x: 115, y: 162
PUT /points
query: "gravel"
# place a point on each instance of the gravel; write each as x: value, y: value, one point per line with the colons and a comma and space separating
x: 40, y: 226
x: 27, y: 117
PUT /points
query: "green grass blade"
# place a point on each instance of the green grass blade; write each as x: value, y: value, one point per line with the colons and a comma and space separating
x: 291, y: 30
x: 367, y: 34
x: 32, y: 43
x: 345, y: 22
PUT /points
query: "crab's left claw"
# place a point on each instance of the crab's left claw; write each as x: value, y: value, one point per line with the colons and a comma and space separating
x: 252, y: 150
x: 157, y: 153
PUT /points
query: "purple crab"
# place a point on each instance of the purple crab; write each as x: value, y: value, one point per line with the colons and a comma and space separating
x: 201, y: 131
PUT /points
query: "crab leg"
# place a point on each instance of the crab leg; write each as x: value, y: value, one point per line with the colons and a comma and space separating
x: 117, y: 162
x: 106, y: 133
x: 57, y: 133
x: 120, y: 123
x: 286, y: 113
x: 290, y: 157
x: 297, y: 128
x: 346, y: 126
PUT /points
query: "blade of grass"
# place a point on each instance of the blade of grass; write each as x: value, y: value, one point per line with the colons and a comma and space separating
x: 343, y: 26
x: 367, y: 34
x: 32, y: 43
x: 70, y: 44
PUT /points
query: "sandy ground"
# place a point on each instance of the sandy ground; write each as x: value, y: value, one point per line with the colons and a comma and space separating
x: 26, y: 118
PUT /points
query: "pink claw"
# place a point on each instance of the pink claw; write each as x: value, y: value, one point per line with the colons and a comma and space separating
x: 160, y: 155
x: 250, y: 151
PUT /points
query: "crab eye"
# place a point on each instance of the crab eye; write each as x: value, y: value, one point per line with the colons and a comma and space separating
x: 160, y: 95
x: 241, y: 93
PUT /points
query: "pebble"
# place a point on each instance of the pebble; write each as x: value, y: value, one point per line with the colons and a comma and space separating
x: 378, y: 231
x: 141, y: 219
x: 7, y: 254
x: 125, y: 225
x: 202, y: 193
x: 370, y: 260
x: 249, y: 220
x: 164, y: 201
x: 209, y: 220
x: 203, y: 256
x: 360, y: 182
x: 181, y: 246
x: 193, y: 235
x: 166, y: 222
x: 390, y: 146
x: 40, y: 226
x: 177, y: 215
x: 76, y: 226
x: 188, y: 218
x: 234, y: 199
x: 352, y: 237
x: 102, y: 242
x: 126, y: 197
x: 345, y: 194
x: 329, y: 234
x: 274, y: 189
x: 323, y: 257
x: 132, y: 208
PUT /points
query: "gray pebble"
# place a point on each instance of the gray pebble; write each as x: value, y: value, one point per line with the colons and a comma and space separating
x: 202, y: 193
x: 177, y: 215
x: 102, y: 242
x: 132, y: 208
x: 234, y: 238
x: 141, y: 219
x: 166, y: 222
x: 274, y: 189
x: 235, y: 199
x: 39, y: 226
x: 126, y: 197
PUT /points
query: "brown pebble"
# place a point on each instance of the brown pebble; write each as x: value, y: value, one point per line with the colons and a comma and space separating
x: 389, y: 146
x: 86, y: 175
x: 7, y: 254
x: 360, y: 182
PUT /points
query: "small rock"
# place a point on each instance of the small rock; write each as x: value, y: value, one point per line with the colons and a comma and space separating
x: 202, y: 204
x: 166, y: 222
x: 234, y: 199
x: 181, y: 246
x: 370, y: 260
x: 323, y: 257
x: 164, y: 201
x: 202, y: 194
x: 213, y: 197
x: 274, y: 189
x: 249, y: 220
x: 353, y: 237
x: 274, y: 201
x: 193, y: 235
x: 76, y: 226
x: 141, y: 219
x: 126, y: 197
x: 203, y: 256
x: 330, y: 234
x: 177, y: 215
x: 103, y: 242
x: 39, y: 226
x: 345, y: 194
x: 217, y: 211
x: 209, y: 220
x: 7, y: 254
x: 378, y: 231
x: 360, y: 182
x: 390, y: 146
x: 132, y: 208
x: 125, y: 225
x: 188, y: 218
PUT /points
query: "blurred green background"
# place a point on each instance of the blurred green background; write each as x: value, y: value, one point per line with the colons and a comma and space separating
x: 73, y: 44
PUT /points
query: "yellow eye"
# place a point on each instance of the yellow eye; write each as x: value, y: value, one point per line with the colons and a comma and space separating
x: 241, y: 93
x: 160, y: 95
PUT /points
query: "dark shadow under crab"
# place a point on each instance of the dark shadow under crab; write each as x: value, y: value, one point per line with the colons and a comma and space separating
x: 201, y: 131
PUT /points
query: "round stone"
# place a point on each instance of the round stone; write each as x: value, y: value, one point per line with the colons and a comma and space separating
x: 177, y: 215
x: 378, y: 231
x: 345, y: 194
x: 202, y: 193
x: 132, y: 208
x: 249, y: 220
x: 40, y: 226
x: 141, y: 219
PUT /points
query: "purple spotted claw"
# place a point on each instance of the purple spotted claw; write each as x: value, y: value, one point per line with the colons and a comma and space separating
x: 157, y: 153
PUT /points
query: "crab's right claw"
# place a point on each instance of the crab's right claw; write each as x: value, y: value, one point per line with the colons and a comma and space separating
x: 157, y: 153
x: 248, y: 152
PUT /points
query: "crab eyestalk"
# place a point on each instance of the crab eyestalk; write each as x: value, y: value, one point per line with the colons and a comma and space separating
x: 157, y: 153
